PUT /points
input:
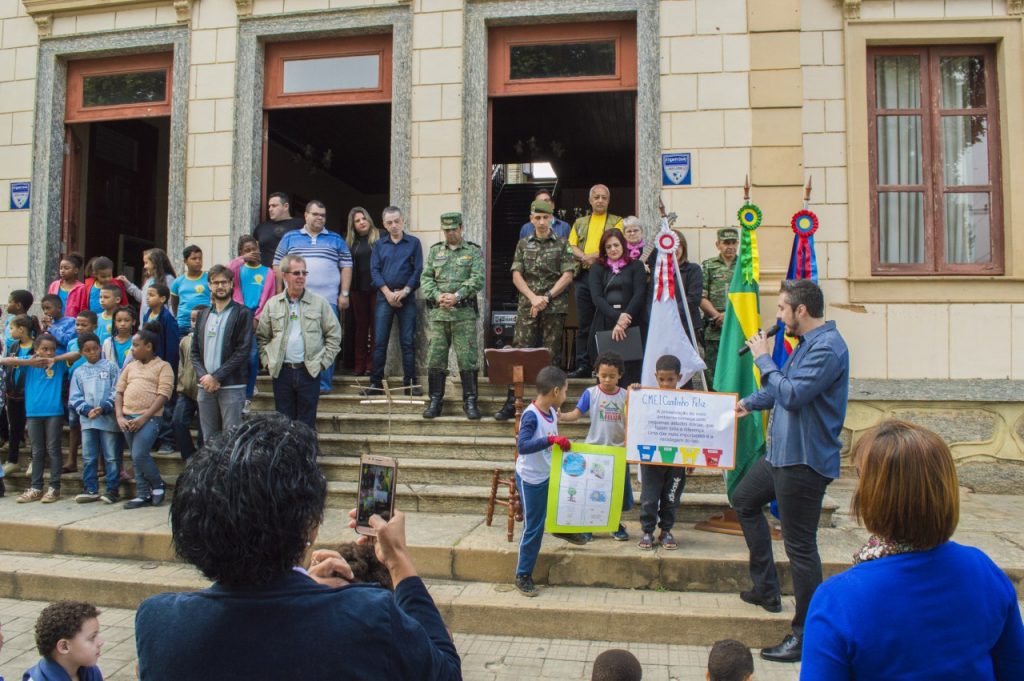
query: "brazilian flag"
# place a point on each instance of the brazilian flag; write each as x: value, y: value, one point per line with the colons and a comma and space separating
x: 738, y: 374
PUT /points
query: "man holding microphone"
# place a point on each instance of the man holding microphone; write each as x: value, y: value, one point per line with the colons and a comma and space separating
x: 809, y: 396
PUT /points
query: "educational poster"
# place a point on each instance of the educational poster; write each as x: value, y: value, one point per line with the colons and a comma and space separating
x: 681, y: 428
x: 585, y: 491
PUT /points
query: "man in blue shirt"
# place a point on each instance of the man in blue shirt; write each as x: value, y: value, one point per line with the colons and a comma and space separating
x: 559, y: 227
x: 328, y: 261
x: 395, y: 267
x: 809, y: 396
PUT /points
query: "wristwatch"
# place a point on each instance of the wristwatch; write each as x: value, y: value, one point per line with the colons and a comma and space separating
x: 458, y: 297
x: 345, y: 294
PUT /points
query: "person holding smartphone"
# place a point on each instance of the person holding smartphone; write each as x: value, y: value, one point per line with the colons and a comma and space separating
x: 272, y: 586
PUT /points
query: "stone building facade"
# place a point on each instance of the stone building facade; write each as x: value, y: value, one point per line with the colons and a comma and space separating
x: 777, y: 90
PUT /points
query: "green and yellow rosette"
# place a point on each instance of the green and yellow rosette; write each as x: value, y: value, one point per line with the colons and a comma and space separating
x: 750, y: 262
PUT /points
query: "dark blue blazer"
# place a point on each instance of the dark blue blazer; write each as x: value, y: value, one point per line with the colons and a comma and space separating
x: 295, y: 628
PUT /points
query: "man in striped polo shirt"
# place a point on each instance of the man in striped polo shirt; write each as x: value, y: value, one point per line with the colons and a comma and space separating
x: 328, y: 260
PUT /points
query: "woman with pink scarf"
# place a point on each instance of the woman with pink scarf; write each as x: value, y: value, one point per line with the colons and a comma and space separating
x: 618, y: 288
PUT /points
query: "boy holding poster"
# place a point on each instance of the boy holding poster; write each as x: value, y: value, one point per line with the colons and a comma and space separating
x: 661, y: 486
x: 606, y: 403
x: 538, y: 430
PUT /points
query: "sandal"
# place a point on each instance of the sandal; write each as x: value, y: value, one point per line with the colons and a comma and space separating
x: 667, y: 541
x: 646, y: 542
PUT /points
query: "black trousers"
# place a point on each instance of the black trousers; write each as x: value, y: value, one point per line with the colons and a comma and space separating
x: 585, y: 314
x: 661, y: 487
x: 16, y: 428
x: 799, y: 491
x: 297, y: 394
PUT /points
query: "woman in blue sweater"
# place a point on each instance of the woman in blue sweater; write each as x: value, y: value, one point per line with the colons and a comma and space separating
x: 914, y: 605
x: 245, y: 512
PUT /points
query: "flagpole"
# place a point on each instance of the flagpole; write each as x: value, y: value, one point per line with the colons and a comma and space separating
x: 666, y: 221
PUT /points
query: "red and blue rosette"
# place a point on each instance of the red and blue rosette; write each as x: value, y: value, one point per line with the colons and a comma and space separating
x: 803, y: 264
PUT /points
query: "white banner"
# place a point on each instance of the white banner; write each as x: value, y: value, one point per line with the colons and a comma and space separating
x: 681, y: 428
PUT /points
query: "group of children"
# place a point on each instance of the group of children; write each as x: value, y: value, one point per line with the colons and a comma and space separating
x: 117, y: 377
x: 661, y: 487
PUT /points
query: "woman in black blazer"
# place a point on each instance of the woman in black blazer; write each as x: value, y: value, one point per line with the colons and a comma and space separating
x: 618, y: 288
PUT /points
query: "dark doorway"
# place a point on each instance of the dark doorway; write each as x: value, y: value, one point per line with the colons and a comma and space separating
x: 122, y: 176
x: 340, y: 155
x: 587, y: 139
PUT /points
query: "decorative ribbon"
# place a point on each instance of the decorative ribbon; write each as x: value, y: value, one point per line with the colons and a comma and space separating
x: 805, y: 224
x: 750, y: 262
x: 666, y: 278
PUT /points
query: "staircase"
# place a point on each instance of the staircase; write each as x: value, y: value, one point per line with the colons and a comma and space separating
x: 511, y: 209
x: 116, y: 557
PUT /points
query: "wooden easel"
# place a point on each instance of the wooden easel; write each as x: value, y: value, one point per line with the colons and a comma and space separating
x: 518, y: 367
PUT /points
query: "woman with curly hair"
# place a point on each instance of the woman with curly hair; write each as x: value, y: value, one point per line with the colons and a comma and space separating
x: 246, y: 512
x: 618, y: 287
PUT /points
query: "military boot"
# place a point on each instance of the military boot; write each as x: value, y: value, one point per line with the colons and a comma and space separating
x: 469, y: 395
x: 435, y: 388
x: 508, y: 410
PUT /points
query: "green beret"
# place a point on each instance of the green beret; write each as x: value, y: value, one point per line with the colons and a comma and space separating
x: 728, y: 234
x: 541, y: 207
x: 451, y: 220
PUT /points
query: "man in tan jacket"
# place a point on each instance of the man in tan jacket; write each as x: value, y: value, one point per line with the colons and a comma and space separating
x: 298, y: 337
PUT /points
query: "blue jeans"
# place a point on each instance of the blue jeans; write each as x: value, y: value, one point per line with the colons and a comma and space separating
x: 96, y: 443
x: 297, y: 394
x: 535, y: 510
x: 327, y: 374
x: 147, y: 475
x: 181, y: 423
x: 254, y: 370
x: 383, y: 316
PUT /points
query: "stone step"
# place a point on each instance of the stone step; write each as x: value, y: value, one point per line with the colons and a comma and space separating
x: 354, y: 403
x: 346, y: 384
x: 418, y: 497
x: 695, y: 618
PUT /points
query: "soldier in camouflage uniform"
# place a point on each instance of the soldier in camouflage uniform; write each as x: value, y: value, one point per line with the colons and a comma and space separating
x: 452, y: 276
x: 541, y: 271
x: 717, y: 277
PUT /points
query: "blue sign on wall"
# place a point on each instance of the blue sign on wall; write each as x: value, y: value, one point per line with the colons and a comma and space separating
x: 675, y: 170
x: 21, y: 195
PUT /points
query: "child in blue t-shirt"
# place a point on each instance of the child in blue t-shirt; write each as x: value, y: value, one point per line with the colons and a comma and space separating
x: 118, y: 347
x: 85, y: 322
x: 22, y: 332
x: 189, y: 289
x: 110, y: 301
x: 44, y: 406
x: 55, y: 323
x: 538, y: 431
x: 254, y: 285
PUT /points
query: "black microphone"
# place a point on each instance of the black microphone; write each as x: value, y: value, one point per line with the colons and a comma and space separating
x: 771, y: 332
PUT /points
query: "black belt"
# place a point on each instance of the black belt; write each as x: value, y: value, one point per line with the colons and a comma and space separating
x: 294, y: 365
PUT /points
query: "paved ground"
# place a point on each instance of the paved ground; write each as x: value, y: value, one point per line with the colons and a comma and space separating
x: 484, y: 658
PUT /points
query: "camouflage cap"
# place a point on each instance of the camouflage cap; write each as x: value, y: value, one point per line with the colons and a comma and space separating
x: 728, y: 234
x: 541, y: 207
x: 451, y: 220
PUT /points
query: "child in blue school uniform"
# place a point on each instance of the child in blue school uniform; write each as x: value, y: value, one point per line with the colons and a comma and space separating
x: 92, y: 398
x: 21, y: 336
x: 45, y: 373
x: 68, y: 638
x: 538, y: 430
x: 188, y: 290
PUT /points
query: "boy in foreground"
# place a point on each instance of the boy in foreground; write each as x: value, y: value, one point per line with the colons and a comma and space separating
x: 68, y: 638
x: 538, y: 430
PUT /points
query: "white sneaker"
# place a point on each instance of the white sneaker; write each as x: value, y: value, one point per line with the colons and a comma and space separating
x: 10, y: 468
x: 86, y: 497
x: 247, y: 406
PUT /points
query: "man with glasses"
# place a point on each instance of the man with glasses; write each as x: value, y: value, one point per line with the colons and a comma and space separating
x: 329, y: 264
x: 298, y: 338
x: 220, y: 355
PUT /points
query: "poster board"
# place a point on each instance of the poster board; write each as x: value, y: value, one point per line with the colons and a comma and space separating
x: 585, y: 490
x: 681, y: 428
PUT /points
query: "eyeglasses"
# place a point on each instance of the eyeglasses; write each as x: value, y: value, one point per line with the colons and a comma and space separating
x: 298, y: 273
